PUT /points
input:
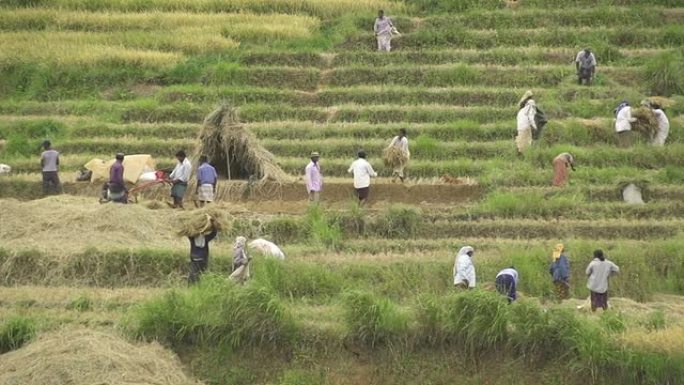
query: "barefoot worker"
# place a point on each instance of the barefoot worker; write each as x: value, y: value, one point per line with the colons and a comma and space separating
x: 314, y: 178
x: 362, y: 171
x: 561, y: 164
x: 560, y: 272
x: 383, y: 31
x: 527, y: 109
x: 179, y: 178
x: 206, y: 181
x: 400, y: 145
x: 507, y: 283
x: 599, y: 271
x: 464, y: 270
x: 199, y: 253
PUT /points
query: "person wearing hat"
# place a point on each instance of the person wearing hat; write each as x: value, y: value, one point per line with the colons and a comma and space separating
x: 527, y: 108
x: 49, y: 162
x: 115, y: 190
x: 206, y: 181
x: 179, y: 178
x: 362, y: 172
x: 314, y: 178
x: 585, y: 65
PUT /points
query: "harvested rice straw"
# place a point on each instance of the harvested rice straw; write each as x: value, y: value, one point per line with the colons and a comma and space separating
x: 394, y: 157
x: 199, y: 221
x: 646, y: 123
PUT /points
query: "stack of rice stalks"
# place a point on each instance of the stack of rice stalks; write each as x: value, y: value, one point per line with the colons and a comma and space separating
x: 203, y: 221
x: 646, y: 123
x: 394, y: 157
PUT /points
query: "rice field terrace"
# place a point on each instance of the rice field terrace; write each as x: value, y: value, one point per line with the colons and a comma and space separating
x: 365, y: 294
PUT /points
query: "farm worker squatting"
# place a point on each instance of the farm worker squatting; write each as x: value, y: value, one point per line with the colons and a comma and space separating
x: 585, y: 64
x: 598, y: 271
x: 240, y: 261
x: 464, y: 270
x: 206, y: 181
x: 527, y: 109
x: 314, y: 178
x: 383, y: 31
x: 179, y: 178
x: 199, y: 253
x: 115, y: 190
x: 507, y: 282
x: 401, y: 142
x: 623, y: 123
x: 362, y: 171
x: 49, y: 163
x: 561, y: 164
x: 560, y: 272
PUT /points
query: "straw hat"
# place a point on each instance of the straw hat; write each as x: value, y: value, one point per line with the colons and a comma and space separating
x: 528, y: 94
x: 313, y: 154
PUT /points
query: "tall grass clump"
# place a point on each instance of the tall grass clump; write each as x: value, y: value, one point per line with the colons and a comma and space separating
x: 425, y: 146
x: 15, y: 332
x: 398, y: 221
x: 372, y: 320
x: 664, y: 73
x: 321, y: 229
x: 216, y: 312
x: 298, y: 280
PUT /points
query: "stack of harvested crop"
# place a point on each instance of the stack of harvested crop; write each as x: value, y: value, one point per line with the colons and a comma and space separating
x: 196, y: 222
x: 394, y: 157
x: 646, y: 123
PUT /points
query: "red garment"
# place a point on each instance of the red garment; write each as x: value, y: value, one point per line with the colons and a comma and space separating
x: 561, y: 174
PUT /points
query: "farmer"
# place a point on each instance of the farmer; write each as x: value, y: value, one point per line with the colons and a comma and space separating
x: 383, y: 31
x: 527, y: 108
x: 561, y: 163
x: 507, y: 282
x: 623, y: 123
x: 464, y: 270
x: 663, y: 125
x: 585, y: 64
x: 560, y: 272
x: 314, y: 178
x: 362, y: 171
x: 206, y: 181
x: 598, y: 271
x: 179, y: 178
x: 401, y: 142
x: 240, y: 261
x: 49, y: 162
x: 115, y: 190
x: 199, y: 253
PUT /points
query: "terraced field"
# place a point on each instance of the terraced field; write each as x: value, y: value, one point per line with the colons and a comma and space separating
x: 100, y: 77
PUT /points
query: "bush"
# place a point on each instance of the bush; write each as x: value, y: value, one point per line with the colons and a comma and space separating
x: 664, y: 74
x: 372, y: 320
x: 321, y: 229
x: 15, y: 332
x: 398, y: 222
x: 82, y: 303
x: 297, y: 280
x: 425, y: 145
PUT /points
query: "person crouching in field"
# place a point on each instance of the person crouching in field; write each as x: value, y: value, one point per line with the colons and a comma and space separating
x: 199, y: 253
x: 561, y: 164
x: 585, y: 65
x: 399, y: 143
x: 464, y: 270
x: 314, y: 178
x: 206, y: 181
x: 507, y: 283
x: 383, y: 31
x: 362, y: 172
x: 560, y: 272
x: 527, y: 109
x: 179, y: 178
x: 599, y: 271
x: 241, y: 261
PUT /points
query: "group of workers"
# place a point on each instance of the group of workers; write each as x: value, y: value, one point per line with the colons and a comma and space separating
x: 598, y: 273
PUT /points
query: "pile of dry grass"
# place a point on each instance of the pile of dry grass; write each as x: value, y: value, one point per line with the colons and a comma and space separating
x: 646, y: 123
x: 234, y: 150
x: 201, y: 221
x: 87, y: 357
x: 394, y: 157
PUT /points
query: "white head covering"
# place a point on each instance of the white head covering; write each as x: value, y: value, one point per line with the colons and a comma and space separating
x: 465, y: 250
x: 528, y: 94
x: 200, y: 241
x: 239, y: 242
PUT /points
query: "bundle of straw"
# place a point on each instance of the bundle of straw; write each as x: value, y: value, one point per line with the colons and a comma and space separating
x: 646, y: 122
x: 202, y: 221
x: 394, y: 157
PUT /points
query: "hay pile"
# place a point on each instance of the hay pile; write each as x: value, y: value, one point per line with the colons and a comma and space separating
x: 646, y: 123
x: 394, y: 157
x: 196, y: 222
x: 87, y: 357
x: 234, y: 150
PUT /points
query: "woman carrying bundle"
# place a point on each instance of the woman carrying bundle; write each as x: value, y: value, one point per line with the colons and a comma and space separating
x: 527, y: 109
x: 397, y: 155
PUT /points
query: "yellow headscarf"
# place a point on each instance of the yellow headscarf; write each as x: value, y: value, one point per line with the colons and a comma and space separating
x: 557, y: 251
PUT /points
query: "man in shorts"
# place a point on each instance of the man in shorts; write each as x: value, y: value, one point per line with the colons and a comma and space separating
x: 362, y: 171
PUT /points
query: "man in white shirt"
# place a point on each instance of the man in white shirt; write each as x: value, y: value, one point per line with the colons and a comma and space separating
x: 623, y: 124
x: 585, y: 64
x: 179, y: 178
x: 362, y: 171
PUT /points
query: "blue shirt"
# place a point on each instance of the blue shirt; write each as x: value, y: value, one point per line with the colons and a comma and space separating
x: 560, y: 269
x: 206, y: 174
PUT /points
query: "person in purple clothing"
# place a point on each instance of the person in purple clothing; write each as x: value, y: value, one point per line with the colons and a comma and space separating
x: 314, y: 178
x: 206, y: 181
x: 115, y: 189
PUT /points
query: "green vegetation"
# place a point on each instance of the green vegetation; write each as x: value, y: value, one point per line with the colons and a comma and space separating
x: 16, y: 331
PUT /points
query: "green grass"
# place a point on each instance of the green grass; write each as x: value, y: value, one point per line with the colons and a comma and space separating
x: 15, y: 331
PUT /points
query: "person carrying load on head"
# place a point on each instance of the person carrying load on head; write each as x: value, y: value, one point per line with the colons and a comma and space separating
x: 115, y: 189
x: 507, y: 283
x: 206, y: 181
x: 585, y: 64
x: 560, y: 272
x: 49, y: 163
x: 623, y: 123
x: 464, y: 270
x: 527, y: 109
x: 314, y: 178
x: 241, y: 261
x: 383, y: 29
x: 199, y: 252
x: 179, y: 179
x: 561, y: 164
x: 400, y: 142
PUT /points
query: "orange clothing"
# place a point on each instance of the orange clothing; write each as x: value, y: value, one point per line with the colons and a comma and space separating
x: 561, y: 164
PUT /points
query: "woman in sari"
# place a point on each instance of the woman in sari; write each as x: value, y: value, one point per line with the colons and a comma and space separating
x: 560, y: 271
x: 561, y: 164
